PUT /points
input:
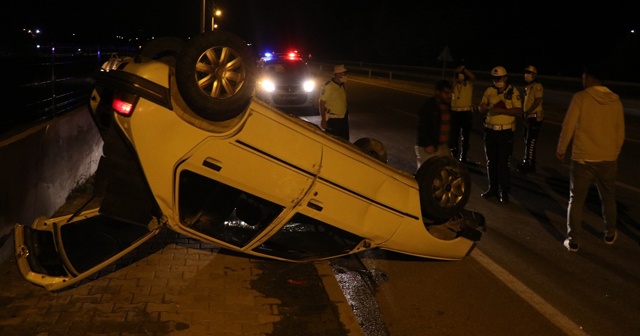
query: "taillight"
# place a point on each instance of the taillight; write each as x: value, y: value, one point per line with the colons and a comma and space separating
x: 124, y: 103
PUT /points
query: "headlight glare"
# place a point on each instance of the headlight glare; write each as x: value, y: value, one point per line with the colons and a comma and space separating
x: 308, y: 85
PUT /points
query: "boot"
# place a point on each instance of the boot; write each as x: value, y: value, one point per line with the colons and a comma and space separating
x: 526, y: 166
x: 504, y: 197
x: 489, y: 193
x: 505, y: 187
x: 493, y: 184
x: 454, y: 152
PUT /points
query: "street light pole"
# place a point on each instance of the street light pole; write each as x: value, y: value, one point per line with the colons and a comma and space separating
x: 202, y: 12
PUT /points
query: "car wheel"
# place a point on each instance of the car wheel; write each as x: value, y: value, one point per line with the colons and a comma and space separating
x: 372, y: 147
x: 216, y: 75
x: 162, y: 47
x: 445, y: 186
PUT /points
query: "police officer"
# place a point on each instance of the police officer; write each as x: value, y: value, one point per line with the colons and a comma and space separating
x: 532, y: 115
x: 461, y: 113
x: 333, y: 104
x: 500, y: 105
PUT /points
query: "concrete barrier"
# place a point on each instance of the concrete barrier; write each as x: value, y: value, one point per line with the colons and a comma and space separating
x: 40, y: 167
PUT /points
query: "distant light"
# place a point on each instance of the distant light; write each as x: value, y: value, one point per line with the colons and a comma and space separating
x: 633, y: 31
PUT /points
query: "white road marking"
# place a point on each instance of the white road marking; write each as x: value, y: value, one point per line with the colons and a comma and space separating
x: 540, y: 304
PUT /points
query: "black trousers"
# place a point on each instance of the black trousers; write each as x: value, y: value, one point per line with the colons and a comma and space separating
x: 531, y: 132
x: 339, y: 127
x: 498, y: 147
x: 461, y: 124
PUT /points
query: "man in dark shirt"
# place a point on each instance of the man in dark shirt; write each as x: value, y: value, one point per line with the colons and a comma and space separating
x: 434, y: 124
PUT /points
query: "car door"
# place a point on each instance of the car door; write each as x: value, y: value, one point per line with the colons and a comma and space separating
x: 58, y: 252
x: 236, y: 190
x: 355, y: 203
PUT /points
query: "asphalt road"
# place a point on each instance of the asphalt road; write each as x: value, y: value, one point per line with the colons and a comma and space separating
x: 520, y: 280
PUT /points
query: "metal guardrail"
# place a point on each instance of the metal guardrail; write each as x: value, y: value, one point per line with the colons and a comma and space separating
x: 627, y: 90
x: 46, y: 83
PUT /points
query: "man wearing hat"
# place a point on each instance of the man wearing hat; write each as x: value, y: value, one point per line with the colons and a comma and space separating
x: 500, y: 105
x: 461, y: 113
x: 333, y: 104
x: 532, y: 115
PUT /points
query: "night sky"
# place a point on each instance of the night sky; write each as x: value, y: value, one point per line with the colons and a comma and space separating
x: 480, y: 34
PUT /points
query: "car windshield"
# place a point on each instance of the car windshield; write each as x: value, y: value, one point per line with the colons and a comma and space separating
x: 297, y: 68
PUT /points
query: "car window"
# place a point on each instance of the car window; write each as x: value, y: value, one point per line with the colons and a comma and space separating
x: 297, y: 68
x: 275, y: 68
x: 306, y: 238
x: 221, y: 211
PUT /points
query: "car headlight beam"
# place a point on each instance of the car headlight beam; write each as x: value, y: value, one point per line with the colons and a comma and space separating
x: 268, y: 85
x: 308, y: 85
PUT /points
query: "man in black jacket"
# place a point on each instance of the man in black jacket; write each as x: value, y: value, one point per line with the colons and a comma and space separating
x: 434, y: 124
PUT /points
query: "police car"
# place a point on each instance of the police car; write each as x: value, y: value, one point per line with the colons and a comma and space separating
x: 286, y: 82
x: 188, y: 148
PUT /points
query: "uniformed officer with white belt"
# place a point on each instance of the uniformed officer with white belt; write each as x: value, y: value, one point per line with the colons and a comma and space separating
x: 500, y: 105
x: 532, y: 115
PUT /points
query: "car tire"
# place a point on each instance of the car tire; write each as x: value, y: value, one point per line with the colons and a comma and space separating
x: 372, y: 147
x: 163, y: 47
x: 216, y: 75
x: 445, y: 187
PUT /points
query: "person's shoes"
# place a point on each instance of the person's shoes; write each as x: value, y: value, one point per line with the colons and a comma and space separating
x: 489, y: 193
x: 504, y: 197
x: 571, y: 246
x: 609, y: 240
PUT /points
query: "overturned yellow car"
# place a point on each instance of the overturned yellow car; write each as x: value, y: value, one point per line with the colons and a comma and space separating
x: 188, y: 147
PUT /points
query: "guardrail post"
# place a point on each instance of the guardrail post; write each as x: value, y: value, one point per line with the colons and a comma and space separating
x: 53, y: 80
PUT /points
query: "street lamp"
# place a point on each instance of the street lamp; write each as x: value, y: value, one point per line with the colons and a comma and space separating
x: 216, y: 12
